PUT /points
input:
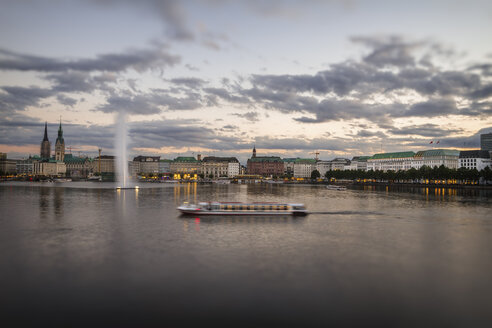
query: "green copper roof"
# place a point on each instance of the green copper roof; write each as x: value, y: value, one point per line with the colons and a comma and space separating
x: 290, y: 160
x: 402, y: 154
x: 441, y: 152
x: 186, y: 159
x: 305, y: 161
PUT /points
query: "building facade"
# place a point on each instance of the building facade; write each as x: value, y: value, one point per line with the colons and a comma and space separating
x: 146, y: 164
x: 323, y: 167
x: 49, y: 168
x: 78, y: 167
x: 475, y: 159
x: 185, y: 165
x: 265, y: 165
x: 26, y: 166
x: 303, y: 167
x: 216, y: 167
x: 486, y: 141
x: 391, y: 161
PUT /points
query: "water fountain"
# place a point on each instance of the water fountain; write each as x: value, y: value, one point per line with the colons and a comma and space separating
x: 121, y: 142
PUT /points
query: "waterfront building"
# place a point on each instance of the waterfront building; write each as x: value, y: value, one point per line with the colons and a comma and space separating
x: 438, y: 157
x: 303, y: 167
x: 146, y: 164
x: 104, y: 164
x: 7, y: 166
x: 49, y: 168
x: 185, y: 165
x: 26, y: 166
x: 289, y: 166
x: 220, y: 166
x: 164, y: 166
x: 475, y: 159
x: 323, y: 167
x: 78, y: 167
x: 359, y: 163
x: 391, y: 161
x: 60, y: 145
x: 486, y: 141
x: 339, y: 163
x: 45, y: 152
x: 265, y: 165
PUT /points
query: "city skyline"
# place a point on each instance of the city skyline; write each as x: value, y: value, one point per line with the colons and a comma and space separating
x: 217, y: 77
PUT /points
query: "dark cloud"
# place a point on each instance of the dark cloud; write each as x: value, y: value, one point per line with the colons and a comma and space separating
x: 250, y: 116
x: 19, y: 98
x: 72, y: 81
x: 67, y: 101
x: 425, y: 130
x: 150, y: 103
x: 388, y: 51
x: 189, y: 82
x: 482, y: 93
x: 432, y: 108
x: 139, y: 60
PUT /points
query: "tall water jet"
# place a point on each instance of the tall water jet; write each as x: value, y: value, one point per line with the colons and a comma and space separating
x: 121, y: 141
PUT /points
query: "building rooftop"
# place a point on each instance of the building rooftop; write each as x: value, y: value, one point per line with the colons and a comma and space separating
x: 305, y: 161
x: 475, y: 154
x: 441, y: 152
x: 186, y: 159
x: 220, y: 159
x: 273, y: 159
x: 402, y: 154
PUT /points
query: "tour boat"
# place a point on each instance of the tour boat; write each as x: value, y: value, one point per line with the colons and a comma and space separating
x: 335, y: 187
x: 233, y: 208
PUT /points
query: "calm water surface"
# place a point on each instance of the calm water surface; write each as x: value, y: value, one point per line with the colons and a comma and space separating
x: 83, y: 254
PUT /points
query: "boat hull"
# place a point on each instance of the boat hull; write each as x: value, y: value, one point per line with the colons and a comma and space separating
x: 243, y: 213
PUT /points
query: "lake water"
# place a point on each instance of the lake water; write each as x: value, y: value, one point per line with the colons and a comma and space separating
x: 83, y: 254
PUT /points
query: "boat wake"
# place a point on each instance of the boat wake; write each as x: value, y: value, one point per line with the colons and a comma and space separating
x: 346, y: 213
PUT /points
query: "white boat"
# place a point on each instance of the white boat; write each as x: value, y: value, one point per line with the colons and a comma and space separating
x: 233, y: 208
x: 335, y: 187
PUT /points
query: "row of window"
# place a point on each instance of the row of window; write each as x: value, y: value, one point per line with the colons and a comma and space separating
x: 251, y: 207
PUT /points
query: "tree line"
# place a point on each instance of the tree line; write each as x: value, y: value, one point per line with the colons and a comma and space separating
x: 413, y: 175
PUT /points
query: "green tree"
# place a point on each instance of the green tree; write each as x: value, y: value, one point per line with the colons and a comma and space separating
x: 315, y: 175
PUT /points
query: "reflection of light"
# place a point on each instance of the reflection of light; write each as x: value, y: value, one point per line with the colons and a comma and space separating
x: 197, y: 220
x: 136, y: 187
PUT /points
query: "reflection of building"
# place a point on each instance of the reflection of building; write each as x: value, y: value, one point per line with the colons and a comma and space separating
x: 146, y: 164
x: 303, y: 167
x: 265, y: 165
x: 486, y: 141
x: 45, y: 152
x: 220, y: 166
x: 60, y: 145
x: 185, y: 165
x: 475, y: 159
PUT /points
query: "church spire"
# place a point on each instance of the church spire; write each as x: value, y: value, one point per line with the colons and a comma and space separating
x: 45, y: 131
x: 254, y: 151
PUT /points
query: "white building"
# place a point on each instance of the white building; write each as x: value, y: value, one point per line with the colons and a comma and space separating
x: 323, y: 167
x: 475, y: 159
x: 391, y: 161
x: 303, y: 167
x: 233, y: 169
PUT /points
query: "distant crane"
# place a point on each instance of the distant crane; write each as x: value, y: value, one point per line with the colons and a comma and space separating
x: 317, y: 154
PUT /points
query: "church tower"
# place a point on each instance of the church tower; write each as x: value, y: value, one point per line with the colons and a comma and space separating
x: 60, y: 145
x: 45, y: 144
x: 254, y: 151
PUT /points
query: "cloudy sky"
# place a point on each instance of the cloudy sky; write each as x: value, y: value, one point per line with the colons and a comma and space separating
x: 215, y: 77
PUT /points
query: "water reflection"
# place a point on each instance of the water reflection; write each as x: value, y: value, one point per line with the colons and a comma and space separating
x: 240, y: 219
x: 58, y: 202
x: 44, y: 202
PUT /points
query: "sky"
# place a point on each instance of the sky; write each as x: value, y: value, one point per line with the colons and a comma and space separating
x: 217, y: 77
